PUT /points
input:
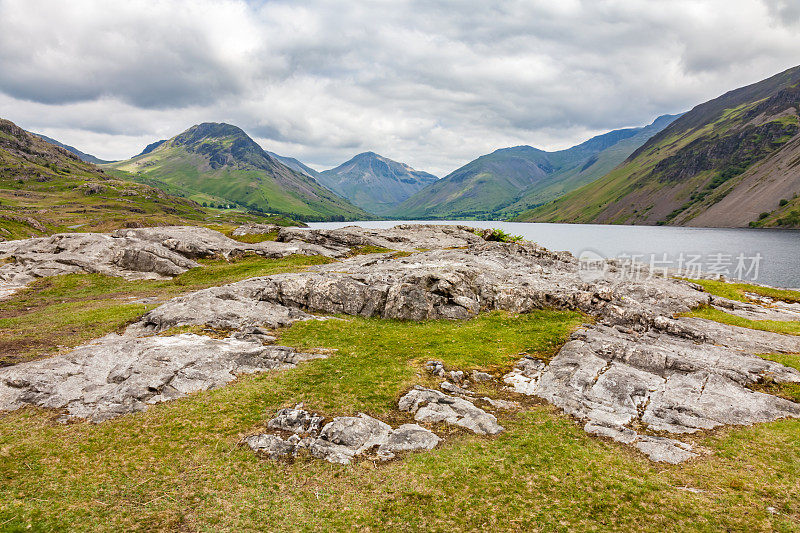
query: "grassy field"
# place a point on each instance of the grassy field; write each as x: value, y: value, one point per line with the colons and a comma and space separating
x: 178, y: 466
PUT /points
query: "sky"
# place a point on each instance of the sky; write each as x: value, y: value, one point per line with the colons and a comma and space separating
x: 433, y: 84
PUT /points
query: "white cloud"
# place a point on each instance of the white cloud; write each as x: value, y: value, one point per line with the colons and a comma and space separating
x: 433, y: 84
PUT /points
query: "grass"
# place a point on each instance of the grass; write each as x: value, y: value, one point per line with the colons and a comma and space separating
x: 370, y: 249
x: 177, y: 466
x: 775, y: 326
x: 738, y: 291
x: 71, y: 309
x: 790, y: 391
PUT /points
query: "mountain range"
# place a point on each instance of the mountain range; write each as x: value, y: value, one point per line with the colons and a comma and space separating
x: 220, y: 164
x: 730, y: 162
x: 510, y: 180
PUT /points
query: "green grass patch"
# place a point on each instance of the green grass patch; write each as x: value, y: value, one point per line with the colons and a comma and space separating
x: 379, y: 358
x: 737, y: 291
x: 370, y: 249
x: 71, y: 309
x: 775, y: 326
x: 177, y: 465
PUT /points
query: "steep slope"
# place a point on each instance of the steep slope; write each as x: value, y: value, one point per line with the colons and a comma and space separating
x: 294, y: 164
x: 83, y: 156
x: 219, y: 163
x: 731, y: 162
x: 45, y: 188
x: 509, y: 181
x: 374, y: 182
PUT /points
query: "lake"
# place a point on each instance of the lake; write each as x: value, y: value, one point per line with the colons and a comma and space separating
x: 767, y: 256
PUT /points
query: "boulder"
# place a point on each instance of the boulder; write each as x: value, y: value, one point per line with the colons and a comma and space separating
x: 428, y: 405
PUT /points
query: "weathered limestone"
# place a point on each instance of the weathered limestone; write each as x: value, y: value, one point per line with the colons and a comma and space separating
x: 614, y: 379
x: 635, y: 372
x: 256, y: 229
x: 340, y: 440
x: 428, y: 405
x: 405, y: 237
x: 116, y: 374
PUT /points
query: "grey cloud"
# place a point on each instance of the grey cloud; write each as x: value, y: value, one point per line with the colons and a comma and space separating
x: 433, y: 84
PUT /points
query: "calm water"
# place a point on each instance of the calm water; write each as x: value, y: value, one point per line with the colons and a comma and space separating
x: 766, y: 256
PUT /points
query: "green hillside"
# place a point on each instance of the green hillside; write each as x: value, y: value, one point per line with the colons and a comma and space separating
x: 733, y: 161
x: 219, y: 164
x: 46, y: 189
x: 509, y: 181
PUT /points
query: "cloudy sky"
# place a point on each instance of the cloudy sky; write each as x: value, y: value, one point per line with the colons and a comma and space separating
x: 430, y: 83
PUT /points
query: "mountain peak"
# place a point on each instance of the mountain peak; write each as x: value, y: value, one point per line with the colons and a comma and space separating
x: 375, y: 182
x: 209, y: 130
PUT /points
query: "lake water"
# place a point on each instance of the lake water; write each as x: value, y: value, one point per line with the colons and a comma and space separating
x: 771, y: 257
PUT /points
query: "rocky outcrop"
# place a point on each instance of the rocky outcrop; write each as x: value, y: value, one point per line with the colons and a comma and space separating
x: 428, y: 405
x: 615, y: 380
x: 118, y: 374
x: 340, y: 440
x: 404, y: 237
x: 256, y: 229
x: 636, y: 373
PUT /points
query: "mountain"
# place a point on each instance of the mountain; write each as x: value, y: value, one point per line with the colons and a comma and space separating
x: 84, y: 157
x: 731, y: 162
x: 220, y: 164
x: 374, y: 182
x: 295, y: 165
x: 511, y: 180
x: 45, y: 189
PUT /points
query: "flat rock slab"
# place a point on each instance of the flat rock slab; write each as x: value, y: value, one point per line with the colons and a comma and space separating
x: 116, y: 375
x: 428, y: 405
x: 613, y: 380
x: 404, y: 237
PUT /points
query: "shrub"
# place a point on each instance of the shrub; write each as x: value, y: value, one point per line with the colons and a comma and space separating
x: 499, y: 235
x: 783, y: 202
x: 763, y: 215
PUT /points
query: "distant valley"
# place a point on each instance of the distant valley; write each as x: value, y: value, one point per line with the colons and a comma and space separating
x: 731, y: 162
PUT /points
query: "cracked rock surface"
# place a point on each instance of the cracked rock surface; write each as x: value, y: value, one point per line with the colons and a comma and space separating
x: 116, y: 374
x: 636, y: 374
x: 340, y: 440
x: 428, y: 405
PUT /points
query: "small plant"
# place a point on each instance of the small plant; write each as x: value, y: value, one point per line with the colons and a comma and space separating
x: 763, y: 215
x: 783, y: 202
x: 499, y: 235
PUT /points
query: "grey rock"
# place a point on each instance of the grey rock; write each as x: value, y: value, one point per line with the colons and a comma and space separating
x: 614, y: 379
x: 297, y: 420
x: 637, y: 365
x: 455, y: 389
x: 432, y: 406
x: 271, y: 445
x: 358, y: 433
x: 405, y: 237
x: 409, y: 438
x: 116, y: 375
x: 481, y: 376
x: 341, y: 440
x: 256, y: 229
